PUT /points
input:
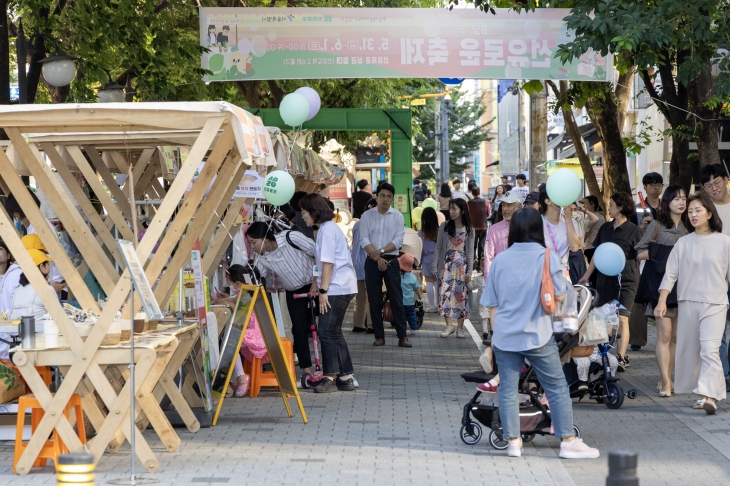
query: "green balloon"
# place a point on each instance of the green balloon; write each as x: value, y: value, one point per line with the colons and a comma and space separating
x: 278, y: 187
x: 294, y: 109
x: 416, y: 214
x: 215, y: 63
x: 563, y: 187
x: 430, y: 203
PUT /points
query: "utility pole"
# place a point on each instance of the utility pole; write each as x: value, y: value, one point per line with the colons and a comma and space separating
x: 538, y: 155
x: 445, y: 159
x: 437, y: 143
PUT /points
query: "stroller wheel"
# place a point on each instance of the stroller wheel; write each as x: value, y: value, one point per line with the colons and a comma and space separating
x: 306, y: 381
x: 614, y: 395
x: 527, y: 437
x: 471, y: 433
x: 498, y: 444
x: 576, y: 431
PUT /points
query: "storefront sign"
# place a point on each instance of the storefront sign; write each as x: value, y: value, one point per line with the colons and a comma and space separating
x: 250, y: 186
x: 315, y: 43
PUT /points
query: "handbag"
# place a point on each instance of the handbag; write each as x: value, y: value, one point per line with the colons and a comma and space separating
x: 547, y: 291
x: 387, y: 311
x: 577, y: 265
x: 476, y: 282
x: 654, y: 269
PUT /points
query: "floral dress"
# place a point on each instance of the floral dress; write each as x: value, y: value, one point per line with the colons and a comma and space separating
x: 454, y: 302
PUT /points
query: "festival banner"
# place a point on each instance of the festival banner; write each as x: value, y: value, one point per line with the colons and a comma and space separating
x: 315, y: 43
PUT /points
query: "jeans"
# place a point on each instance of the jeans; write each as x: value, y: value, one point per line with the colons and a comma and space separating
x: 480, y: 237
x: 374, y: 282
x: 335, y: 355
x: 546, y: 362
x: 411, y: 316
x: 301, y: 322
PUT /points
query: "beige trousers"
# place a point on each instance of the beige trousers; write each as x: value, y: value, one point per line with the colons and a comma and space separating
x: 698, y: 368
x: 362, y: 309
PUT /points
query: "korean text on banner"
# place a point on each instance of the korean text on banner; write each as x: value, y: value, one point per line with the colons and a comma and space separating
x: 250, y: 186
x: 316, y: 43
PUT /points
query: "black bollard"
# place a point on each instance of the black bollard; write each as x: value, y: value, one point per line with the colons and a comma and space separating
x: 622, y: 469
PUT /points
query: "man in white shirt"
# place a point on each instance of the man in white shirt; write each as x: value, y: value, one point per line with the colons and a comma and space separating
x: 382, y: 231
x: 714, y: 180
x: 521, y: 187
x: 456, y: 192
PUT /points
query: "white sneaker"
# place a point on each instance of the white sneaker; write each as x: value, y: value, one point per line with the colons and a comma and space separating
x: 354, y: 381
x: 460, y: 334
x: 413, y: 332
x: 447, y: 332
x: 577, y: 449
x: 514, y: 448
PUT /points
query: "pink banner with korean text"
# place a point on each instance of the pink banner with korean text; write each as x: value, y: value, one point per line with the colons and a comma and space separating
x: 315, y: 43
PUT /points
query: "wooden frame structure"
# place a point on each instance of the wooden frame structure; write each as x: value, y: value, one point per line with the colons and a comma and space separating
x: 96, y: 141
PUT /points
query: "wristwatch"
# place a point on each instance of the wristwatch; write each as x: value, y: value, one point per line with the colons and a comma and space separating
x: 382, y: 252
x: 323, y: 291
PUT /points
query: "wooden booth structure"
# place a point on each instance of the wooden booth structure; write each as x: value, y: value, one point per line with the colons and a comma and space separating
x: 93, y: 144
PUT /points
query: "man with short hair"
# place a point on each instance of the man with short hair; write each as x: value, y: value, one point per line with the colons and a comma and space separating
x: 361, y: 197
x: 714, y: 180
x: 382, y: 231
x: 497, y: 243
x: 419, y: 193
x: 506, y: 184
x: 521, y: 188
x: 456, y: 192
x: 653, y: 186
x: 532, y: 201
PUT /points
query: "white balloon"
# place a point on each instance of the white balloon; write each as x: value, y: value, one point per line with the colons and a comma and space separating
x: 259, y: 45
x: 244, y: 45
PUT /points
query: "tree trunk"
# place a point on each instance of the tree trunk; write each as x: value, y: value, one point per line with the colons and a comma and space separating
x: 623, y: 92
x: 603, y: 112
x: 4, y: 55
x: 58, y: 94
x: 250, y: 91
x: 680, y: 168
x: 706, y: 133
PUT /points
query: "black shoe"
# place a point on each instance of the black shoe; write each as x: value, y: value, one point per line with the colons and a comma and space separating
x: 359, y: 329
x: 326, y: 386
x: 582, y: 385
x: 727, y: 384
x: 371, y: 331
x: 623, y: 363
x: 346, y: 385
x: 634, y: 347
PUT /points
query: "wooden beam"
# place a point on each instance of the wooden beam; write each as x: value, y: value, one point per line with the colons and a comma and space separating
x: 111, y: 183
x: 73, y: 186
x: 142, y: 184
x: 114, y: 214
x: 220, y: 242
x: 66, y: 211
x: 205, y: 240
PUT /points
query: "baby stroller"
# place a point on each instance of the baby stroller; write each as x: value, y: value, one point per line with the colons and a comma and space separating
x: 534, y: 412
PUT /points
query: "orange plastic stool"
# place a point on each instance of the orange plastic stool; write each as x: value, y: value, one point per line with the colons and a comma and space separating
x: 259, y: 378
x: 44, y: 371
x: 54, y: 446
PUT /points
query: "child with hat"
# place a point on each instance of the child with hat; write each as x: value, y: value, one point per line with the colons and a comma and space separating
x: 411, y: 289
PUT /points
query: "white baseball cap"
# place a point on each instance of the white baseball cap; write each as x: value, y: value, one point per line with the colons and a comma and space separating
x: 512, y: 197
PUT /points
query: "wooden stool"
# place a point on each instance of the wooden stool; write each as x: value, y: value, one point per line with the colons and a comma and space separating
x: 44, y: 371
x: 259, y: 378
x: 54, y: 446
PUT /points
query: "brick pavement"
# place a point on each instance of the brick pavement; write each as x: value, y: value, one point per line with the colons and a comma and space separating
x: 401, y: 427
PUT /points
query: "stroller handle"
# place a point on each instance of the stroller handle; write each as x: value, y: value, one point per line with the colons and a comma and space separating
x: 302, y: 296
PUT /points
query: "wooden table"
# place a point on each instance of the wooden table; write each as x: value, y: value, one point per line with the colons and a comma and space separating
x: 154, y: 352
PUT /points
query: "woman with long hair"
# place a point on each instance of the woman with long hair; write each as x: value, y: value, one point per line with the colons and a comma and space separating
x: 655, y: 246
x: 429, y: 235
x: 499, y: 193
x: 290, y: 256
x: 334, y: 286
x: 699, y: 264
x: 453, y: 261
x: 523, y: 330
x: 561, y: 233
x: 444, y: 198
x: 626, y: 235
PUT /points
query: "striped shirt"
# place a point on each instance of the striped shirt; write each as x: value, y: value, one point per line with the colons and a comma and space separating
x: 293, y: 268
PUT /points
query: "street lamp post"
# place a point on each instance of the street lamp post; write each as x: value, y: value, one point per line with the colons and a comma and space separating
x: 59, y: 68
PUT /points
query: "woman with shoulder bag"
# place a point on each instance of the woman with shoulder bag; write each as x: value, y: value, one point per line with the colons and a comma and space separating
x: 562, y: 236
x: 524, y: 330
x: 655, y: 246
x: 453, y: 260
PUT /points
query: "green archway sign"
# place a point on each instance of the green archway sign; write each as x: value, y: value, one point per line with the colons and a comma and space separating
x: 398, y: 121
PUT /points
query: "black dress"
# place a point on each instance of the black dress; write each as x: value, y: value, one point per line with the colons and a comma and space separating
x: 626, y: 236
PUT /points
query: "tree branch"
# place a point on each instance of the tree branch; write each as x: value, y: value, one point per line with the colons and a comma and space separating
x: 345, y: 91
x: 664, y: 109
x: 277, y: 94
x: 161, y: 6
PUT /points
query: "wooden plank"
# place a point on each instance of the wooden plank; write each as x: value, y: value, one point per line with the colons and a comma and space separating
x: 205, y: 239
x: 66, y: 211
x: 203, y: 219
x: 46, y: 234
x: 141, y: 166
x: 111, y: 183
x: 88, y: 172
x: 117, y: 159
x: 222, y: 237
x: 73, y: 186
x: 161, y: 194
x: 142, y: 187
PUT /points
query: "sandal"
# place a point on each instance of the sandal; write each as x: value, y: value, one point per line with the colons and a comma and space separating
x: 700, y: 404
x: 710, y: 407
x: 489, y: 386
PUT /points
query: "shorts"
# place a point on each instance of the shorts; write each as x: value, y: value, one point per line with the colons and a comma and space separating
x: 671, y: 311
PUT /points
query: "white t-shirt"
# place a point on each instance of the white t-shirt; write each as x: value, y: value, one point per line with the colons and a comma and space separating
x: 332, y: 248
x: 457, y: 194
x: 723, y: 210
x: 556, y: 237
x: 522, y: 191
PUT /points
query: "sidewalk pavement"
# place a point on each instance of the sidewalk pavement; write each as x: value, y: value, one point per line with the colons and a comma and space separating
x: 402, y: 427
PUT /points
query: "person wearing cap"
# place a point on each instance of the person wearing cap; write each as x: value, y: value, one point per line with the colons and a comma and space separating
x: 496, y: 244
x: 411, y: 290
x: 532, y: 200
x: 26, y: 301
x: 12, y: 275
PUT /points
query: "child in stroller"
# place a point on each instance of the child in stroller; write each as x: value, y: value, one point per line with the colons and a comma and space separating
x: 534, y: 410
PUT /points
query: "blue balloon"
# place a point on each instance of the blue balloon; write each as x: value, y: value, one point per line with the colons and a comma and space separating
x: 452, y: 81
x: 609, y: 259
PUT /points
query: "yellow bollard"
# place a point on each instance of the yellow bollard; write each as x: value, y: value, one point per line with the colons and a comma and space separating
x: 75, y: 469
